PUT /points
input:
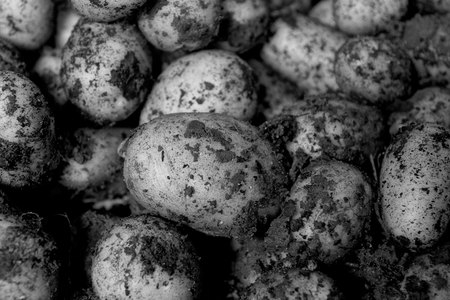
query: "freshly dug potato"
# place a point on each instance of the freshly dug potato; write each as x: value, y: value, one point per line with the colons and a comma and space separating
x: 292, y: 285
x: 107, y: 10
x: 303, y: 50
x: 106, y: 70
x: 375, y: 70
x: 47, y: 68
x: 172, y: 25
x: 415, y: 186
x: 91, y: 157
x: 244, y: 24
x: 27, y: 133
x: 367, y: 17
x: 27, y: 24
x: 205, y: 81
x: 145, y: 258
x: 29, y: 260
x: 10, y: 59
x: 323, y: 12
x: 428, y: 105
x: 209, y: 171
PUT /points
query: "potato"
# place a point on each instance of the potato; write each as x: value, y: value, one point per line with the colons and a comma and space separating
x: 209, y: 171
x: 375, y: 70
x: 428, y: 105
x: 294, y: 285
x: 27, y: 133
x: 29, y: 260
x: 414, y: 186
x: 106, y: 70
x: 10, y: 59
x: 205, y: 81
x: 172, y: 25
x: 66, y: 19
x: 107, y: 10
x: 367, y: 17
x: 27, y: 24
x: 47, y: 68
x: 244, y: 24
x: 303, y: 50
x: 323, y: 12
x: 91, y: 157
x: 145, y: 258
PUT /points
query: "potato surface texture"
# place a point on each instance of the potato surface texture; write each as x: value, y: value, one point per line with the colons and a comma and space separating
x: 414, y: 186
x: 209, y: 171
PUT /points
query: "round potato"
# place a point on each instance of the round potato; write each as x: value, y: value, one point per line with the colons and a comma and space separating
x: 172, y: 25
x: 145, y: 258
x: 214, y: 81
x: 27, y: 24
x: 375, y: 70
x: 323, y: 12
x: 27, y: 133
x: 415, y: 186
x: 209, y: 171
x: 106, y: 70
x: 107, y: 10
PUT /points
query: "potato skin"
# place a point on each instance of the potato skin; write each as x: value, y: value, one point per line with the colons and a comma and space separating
x: 106, y: 70
x: 145, y: 258
x: 414, y: 186
x: 27, y: 133
x: 209, y: 171
x: 107, y: 10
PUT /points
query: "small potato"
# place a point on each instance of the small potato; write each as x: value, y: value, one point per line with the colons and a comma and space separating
x: 27, y: 133
x: 303, y: 51
x: 91, y: 157
x: 209, y: 171
x: 429, y: 105
x: 172, y: 25
x: 47, y: 68
x: 244, y: 24
x: 205, y: 81
x: 107, y: 10
x: 27, y: 24
x: 323, y: 12
x: 375, y: 70
x: 292, y: 285
x: 10, y: 59
x: 29, y: 259
x: 106, y: 70
x: 66, y: 19
x: 367, y: 17
x: 415, y: 186
x: 145, y: 258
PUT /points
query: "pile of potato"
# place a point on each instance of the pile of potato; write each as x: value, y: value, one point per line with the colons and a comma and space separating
x: 224, y: 149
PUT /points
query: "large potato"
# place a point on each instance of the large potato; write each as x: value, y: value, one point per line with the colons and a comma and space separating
x: 210, y: 171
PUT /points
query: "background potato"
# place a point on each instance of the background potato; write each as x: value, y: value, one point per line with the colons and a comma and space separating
x: 209, y: 171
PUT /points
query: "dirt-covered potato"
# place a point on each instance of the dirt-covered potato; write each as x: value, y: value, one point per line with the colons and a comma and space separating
x: 209, y: 171
x: 323, y: 12
x: 10, y: 59
x: 107, y: 10
x: 145, y: 258
x: 66, y: 19
x: 426, y: 39
x: 244, y: 24
x: 29, y: 259
x: 172, y: 25
x: 106, y: 70
x: 27, y: 24
x: 292, y: 285
x: 91, y: 157
x: 375, y: 70
x: 27, y: 133
x: 274, y: 91
x: 303, y: 50
x: 47, y: 68
x: 414, y: 191
x: 367, y: 17
x: 213, y: 81
x: 429, y: 105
